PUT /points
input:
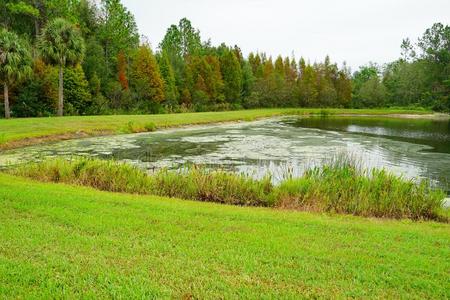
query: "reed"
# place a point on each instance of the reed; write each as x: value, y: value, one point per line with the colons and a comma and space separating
x: 341, y: 186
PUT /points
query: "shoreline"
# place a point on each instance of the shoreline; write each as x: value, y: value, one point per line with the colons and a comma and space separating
x: 82, y: 133
x: 433, y: 116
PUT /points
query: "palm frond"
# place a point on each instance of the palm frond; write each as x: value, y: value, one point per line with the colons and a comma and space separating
x: 15, y: 57
x: 61, y: 43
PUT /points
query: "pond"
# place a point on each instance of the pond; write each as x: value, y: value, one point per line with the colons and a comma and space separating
x: 415, y: 148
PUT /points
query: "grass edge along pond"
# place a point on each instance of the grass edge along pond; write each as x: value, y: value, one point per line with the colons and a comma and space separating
x: 16, y: 133
x: 339, y: 187
x: 67, y: 241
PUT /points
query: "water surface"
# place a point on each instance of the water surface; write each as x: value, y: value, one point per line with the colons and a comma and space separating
x: 410, y: 147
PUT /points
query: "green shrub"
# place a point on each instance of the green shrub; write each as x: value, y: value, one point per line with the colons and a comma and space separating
x: 131, y: 127
x: 150, y: 126
x: 324, y: 113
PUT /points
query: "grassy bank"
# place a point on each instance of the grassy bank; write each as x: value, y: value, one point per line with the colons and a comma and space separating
x: 340, y: 187
x: 60, y: 241
x: 21, y: 132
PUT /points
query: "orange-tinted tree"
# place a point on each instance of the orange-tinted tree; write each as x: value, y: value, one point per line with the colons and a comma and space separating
x: 145, y: 77
x: 122, y: 70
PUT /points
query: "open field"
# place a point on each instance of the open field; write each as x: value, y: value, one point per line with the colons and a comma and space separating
x: 63, y: 241
x: 22, y: 132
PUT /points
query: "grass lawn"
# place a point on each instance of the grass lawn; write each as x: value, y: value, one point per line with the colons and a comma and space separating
x: 64, y: 241
x: 20, y: 132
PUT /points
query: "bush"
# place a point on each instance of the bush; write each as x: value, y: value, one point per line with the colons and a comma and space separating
x: 32, y: 102
x: 76, y: 91
x: 150, y: 126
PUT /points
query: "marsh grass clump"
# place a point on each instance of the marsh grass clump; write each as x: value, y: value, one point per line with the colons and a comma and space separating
x: 132, y: 127
x: 340, y: 186
x: 150, y: 126
x: 249, y: 118
x: 350, y: 190
x: 324, y: 113
x: 106, y: 175
x: 2, y: 138
x: 213, y: 186
x: 192, y: 183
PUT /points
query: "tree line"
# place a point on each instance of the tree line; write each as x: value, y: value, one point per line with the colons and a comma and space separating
x: 86, y: 57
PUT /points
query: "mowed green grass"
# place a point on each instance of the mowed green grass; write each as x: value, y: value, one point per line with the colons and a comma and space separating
x: 20, y: 129
x: 64, y: 241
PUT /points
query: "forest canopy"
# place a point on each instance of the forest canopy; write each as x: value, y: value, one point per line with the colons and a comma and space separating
x: 84, y: 57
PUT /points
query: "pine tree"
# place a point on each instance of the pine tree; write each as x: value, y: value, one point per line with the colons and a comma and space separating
x: 256, y: 64
x: 215, y: 80
x: 248, y: 80
x: 168, y: 75
x: 232, y: 76
x: 308, y: 85
x: 208, y: 67
x: 279, y: 67
x: 268, y: 68
x: 344, y: 87
x: 77, y: 92
x: 145, y: 76
x: 301, y: 66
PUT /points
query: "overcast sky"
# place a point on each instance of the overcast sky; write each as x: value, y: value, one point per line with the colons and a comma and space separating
x: 355, y: 31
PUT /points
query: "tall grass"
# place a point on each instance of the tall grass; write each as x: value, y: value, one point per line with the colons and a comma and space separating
x: 106, y: 175
x: 213, y: 186
x: 339, y: 187
x: 345, y: 189
x: 193, y: 183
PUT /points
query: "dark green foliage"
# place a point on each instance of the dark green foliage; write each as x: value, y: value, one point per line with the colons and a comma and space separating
x: 61, y: 44
x: 32, y: 102
x: 117, y: 31
x: 94, y: 62
x: 77, y: 91
x: 182, y: 40
x: 368, y: 90
x: 232, y: 76
x: 421, y: 77
x: 18, y: 16
x: 15, y: 63
x: 168, y: 75
x: 198, y: 76
x: 248, y: 79
x: 372, y: 93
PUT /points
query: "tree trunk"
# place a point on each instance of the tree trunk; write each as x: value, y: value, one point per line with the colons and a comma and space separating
x: 36, y: 28
x: 5, y: 90
x: 60, y: 92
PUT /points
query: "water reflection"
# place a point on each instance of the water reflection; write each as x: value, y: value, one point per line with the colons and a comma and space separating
x: 414, y: 148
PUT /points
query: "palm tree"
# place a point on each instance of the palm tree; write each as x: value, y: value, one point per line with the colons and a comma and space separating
x: 15, y: 62
x: 61, y: 44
